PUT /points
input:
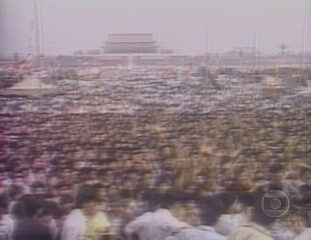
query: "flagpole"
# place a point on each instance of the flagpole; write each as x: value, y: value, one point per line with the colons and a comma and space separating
x: 256, y: 35
x: 306, y: 34
x: 41, y: 32
x: 37, y: 42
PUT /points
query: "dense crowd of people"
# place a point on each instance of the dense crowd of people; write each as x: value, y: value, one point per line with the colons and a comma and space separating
x: 157, y: 174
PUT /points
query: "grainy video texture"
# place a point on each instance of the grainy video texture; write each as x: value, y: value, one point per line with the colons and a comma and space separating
x: 155, y: 120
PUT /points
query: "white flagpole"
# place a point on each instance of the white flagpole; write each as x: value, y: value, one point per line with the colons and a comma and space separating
x: 256, y: 36
x: 306, y: 34
x: 41, y: 32
x: 37, y: 43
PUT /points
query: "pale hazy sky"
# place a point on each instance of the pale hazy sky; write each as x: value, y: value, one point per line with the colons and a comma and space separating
x: 182, y: 25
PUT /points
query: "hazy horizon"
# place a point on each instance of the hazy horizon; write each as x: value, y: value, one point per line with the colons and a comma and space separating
x: 182, y: 25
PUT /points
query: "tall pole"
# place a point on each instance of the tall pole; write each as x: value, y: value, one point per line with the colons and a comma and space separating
x: 208, y: 40
x: 256, y: 36
x: 306, y: 34
x: 41, y: 30
x: 37, y: 39
x: 208, y: 37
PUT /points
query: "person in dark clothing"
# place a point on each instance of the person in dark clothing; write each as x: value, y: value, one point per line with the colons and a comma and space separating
x: 29, y: 226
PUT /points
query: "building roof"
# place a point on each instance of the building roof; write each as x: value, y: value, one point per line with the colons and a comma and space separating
x: 130, y: 38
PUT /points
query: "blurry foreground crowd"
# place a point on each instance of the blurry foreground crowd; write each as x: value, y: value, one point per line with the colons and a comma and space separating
x: 100, y: 205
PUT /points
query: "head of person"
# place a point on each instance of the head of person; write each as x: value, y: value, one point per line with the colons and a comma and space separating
x: 241, y: 180
x: 210, y: 210
x: 277, y: 172
x: 38, y: 188
x: 49, y: 211
x: 147, y: 179
x: 246, y: 199
x: 66, y: 173
x: 155, y: 200
x: 305, y: 191
x: 18, y: 178
x: 304, y: 173
x: 87, y: 175
x: 164, y: 187
x: 15, y: 192
x: 191, y: 213
x: 3, y: 205
x: 18, y: 210
x: 259, y: 182
x: 175, y: 202
x: 30, y: 206
x: 87, y: 200
x: 66, y: 203
x: 229, y: 201
x: 64, y: 189
x: 258, y: 215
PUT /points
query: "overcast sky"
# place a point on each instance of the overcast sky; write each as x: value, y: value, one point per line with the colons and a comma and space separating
x: 182, y: 25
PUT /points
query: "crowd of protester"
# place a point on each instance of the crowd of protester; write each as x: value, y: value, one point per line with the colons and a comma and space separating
x: 156, y: 174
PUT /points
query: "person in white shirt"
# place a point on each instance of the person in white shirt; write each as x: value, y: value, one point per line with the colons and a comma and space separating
x: 258, y: 226
x: 157, y: 223
x: 209, y: 214
x: 306, y: 234
x: 86, y: 221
